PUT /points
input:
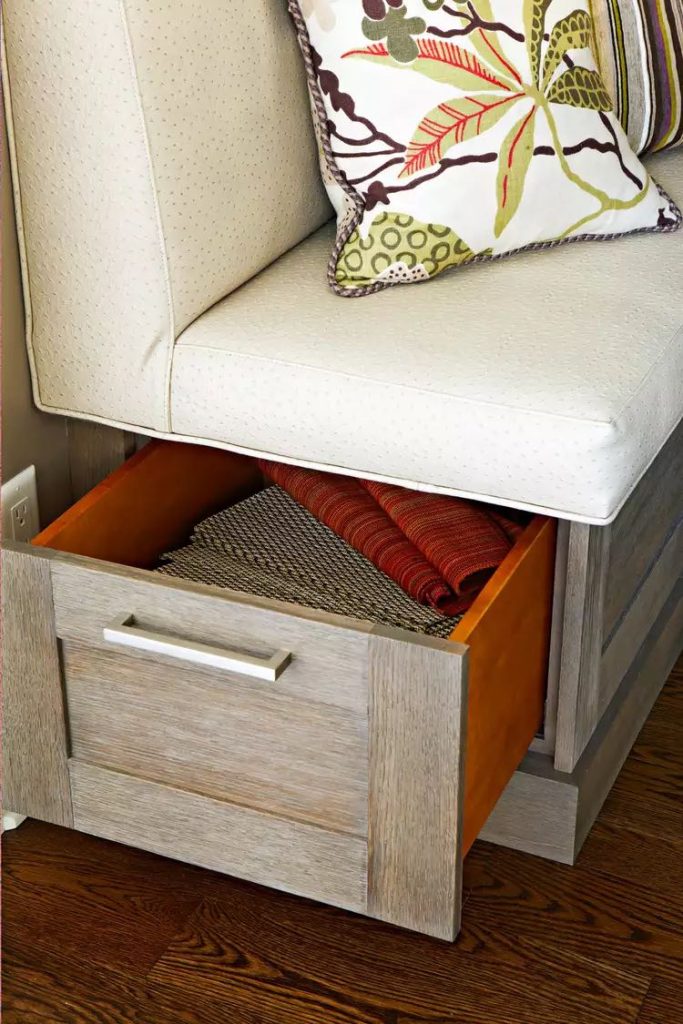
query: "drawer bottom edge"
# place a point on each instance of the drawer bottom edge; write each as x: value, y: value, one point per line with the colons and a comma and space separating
x: 294, y: 857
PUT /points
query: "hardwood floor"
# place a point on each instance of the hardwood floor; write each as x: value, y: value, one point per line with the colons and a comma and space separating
x: 96, y: 933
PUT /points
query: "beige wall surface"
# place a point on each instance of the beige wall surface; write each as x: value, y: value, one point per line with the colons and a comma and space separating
x: 28, y: 436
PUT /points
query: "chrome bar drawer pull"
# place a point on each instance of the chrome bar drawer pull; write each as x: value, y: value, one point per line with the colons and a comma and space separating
x: 122, y: 631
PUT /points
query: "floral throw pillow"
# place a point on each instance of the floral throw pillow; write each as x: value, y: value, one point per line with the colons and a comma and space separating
x: 452, y: 132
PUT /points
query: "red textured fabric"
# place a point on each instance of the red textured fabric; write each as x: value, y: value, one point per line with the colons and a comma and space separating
x: 511, y: 527
x: 346, y: 507
x: 440, y: 550
x: 458, y: 537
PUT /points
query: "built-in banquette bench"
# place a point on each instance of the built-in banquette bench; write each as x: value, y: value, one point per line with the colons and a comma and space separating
x: 174, y: 234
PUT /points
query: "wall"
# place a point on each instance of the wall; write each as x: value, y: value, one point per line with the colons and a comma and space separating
x: 28, y: 436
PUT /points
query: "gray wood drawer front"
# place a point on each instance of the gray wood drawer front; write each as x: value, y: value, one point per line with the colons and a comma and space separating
x: 297, y: 746
x: 284, y: 854
x: 216, y: 733
x: 329, y: 654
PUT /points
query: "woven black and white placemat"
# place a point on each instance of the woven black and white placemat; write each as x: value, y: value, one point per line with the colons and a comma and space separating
x: 271, y: 546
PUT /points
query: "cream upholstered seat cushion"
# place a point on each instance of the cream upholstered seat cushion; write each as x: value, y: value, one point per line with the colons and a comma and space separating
x: 546, y: 383
x: 160, y: 161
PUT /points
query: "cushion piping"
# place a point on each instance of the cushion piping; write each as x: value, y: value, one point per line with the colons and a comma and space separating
x: 558, y: 513
x: 163, y: 250
x: 611, y: 422
x: 19, y: 216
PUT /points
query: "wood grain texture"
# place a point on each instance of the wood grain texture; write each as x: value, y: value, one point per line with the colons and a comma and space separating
x: 627, y: 713
x: 631, y: 928
x: 662, y: 1003
x: 259, y: 847
x: 247, y: 956
x: 35, y: 775
x: 536, y: 812
x: 94, y: 451
x: 647, y: 794
x: 397, y: 976
x: 134, y: 903
x: 598, y: 943
x: 220, y: 734
x: 508, y: 633
x: 56, y: 993
x: 329, y: 653
x: 642, y: 527
x: 545, y: 742
x: 619, y: 849
x: 579, y: 686
x: 160, y: 494
x: 417, y: 709
x: 639, y: 617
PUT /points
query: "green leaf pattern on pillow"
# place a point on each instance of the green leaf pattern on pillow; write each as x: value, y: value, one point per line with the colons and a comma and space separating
x: 396, y: 243
x: 510, y: 78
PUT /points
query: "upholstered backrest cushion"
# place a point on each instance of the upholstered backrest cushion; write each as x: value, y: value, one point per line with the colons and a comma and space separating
x: 163, y: 155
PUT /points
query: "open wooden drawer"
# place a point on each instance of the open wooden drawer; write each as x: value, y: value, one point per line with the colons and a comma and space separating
x: 329, y: 757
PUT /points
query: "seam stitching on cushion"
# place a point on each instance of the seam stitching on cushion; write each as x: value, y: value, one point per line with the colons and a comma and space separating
x: 8, y: 119
x: 157, y: 212
x: 184, y: 438
x: 407, y: 387
x: 642, y: 384
x: 422, y: 485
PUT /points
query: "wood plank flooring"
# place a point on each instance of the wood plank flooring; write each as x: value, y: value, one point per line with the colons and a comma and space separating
x: 96, y: 933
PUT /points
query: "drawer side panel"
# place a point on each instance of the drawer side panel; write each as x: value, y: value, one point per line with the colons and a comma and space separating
x: 508, y: 633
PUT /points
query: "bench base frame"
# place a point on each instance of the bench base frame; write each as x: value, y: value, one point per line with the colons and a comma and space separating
x: 617, y: 632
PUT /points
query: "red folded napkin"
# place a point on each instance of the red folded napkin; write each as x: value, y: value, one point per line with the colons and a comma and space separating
x: 510, y: 526
x: 439, y: 550
x: 346, y: 507
x: 459, y: 538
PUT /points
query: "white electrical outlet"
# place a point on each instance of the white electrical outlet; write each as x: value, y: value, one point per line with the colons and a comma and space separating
x: 19, y: 501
